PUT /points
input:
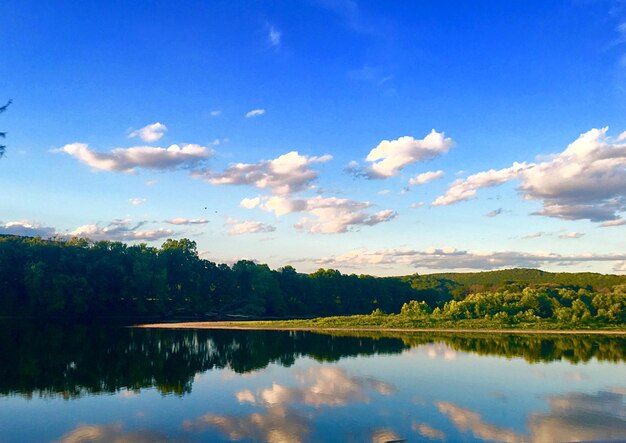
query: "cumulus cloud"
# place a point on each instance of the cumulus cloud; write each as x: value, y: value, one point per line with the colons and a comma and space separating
x: 26, y: 228
x: 391, y: 156
x: 451, y: 258
x: 286, y: 174
x: 416, y: 205
x: 331, y: 214
x: 464, y: 189
x: 150, y: 133
x: 186, y: 221
x: 255, y: 113
x: 585, y: 181
x: 425, y: 177
x: 136, y: 201
x: 128, y: 159
x: 247, y: 227
x: 120, y: 230
x: 250, y: 203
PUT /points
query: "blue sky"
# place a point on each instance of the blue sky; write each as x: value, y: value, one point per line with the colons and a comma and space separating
x: 296, y: 132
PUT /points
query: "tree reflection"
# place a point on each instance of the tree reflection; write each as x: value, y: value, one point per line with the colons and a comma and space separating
x: 71, y: 361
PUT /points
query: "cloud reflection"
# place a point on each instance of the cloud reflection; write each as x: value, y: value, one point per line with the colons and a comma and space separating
x: 467, y: 420
x: 581, y: 417
x: 427, y: 431
x: 385, y: 436
x: 572, y: 417
x: 277, y: 425
x: 320, y: 386
x: 113, y: 433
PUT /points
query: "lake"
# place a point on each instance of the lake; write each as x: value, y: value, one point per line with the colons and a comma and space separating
x: 105, y: 383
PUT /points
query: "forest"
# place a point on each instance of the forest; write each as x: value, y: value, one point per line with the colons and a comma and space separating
x: 79, y: 278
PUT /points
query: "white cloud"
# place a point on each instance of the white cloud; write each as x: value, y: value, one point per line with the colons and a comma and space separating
x: 187, y: 221
x: 284, y: 205
x: 216, y: 113
x: 27, y: 229
x: 464, y: 189
x: 620, y: 266
x: 150, y: 133
x: 391, y: 156
x: 451, y: 258
x: 250, y: 203
x: 383, y: 192
x: 121, y: 230
x: 136, y: 201
x: 127, y: 159
x: 151, y: 183
x: 248, y: 227
x: 570, y: 235
x: 610, y: 223
x: 585, y: 181
x: 288, y: 173
x: 255, y: 113
x: 416, y: 205
x: 274, y: 36
x: 332, y: 215
x: 425, y: 177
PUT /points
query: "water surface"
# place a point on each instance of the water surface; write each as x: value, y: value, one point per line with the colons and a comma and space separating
x: 106, y: 383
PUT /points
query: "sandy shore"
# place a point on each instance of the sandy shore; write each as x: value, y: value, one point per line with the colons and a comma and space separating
x: 231, y: 325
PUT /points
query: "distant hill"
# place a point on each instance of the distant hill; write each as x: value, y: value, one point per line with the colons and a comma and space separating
x: 533, y: 276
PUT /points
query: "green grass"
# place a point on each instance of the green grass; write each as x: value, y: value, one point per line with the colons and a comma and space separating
x: 395, y: 321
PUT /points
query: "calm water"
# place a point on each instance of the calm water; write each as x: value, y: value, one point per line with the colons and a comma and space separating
x: 103, y: 384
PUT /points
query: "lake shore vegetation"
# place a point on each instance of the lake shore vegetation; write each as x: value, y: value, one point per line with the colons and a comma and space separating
x: 79, y: 278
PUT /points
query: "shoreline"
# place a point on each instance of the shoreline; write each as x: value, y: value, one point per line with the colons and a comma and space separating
x: 230, y: 325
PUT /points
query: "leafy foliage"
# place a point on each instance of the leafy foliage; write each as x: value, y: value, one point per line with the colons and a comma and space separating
x: 79, y: 278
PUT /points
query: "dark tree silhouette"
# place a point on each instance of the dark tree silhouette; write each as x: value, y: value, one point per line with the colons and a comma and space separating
x: 3, y: 134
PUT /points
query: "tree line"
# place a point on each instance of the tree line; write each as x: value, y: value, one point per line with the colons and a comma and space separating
x: 81, y: 278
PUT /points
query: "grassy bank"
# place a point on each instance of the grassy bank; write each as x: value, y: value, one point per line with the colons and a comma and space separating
x: 401, y: 322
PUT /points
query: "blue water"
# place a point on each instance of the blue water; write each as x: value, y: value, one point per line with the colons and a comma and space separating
x: 116, y: 384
